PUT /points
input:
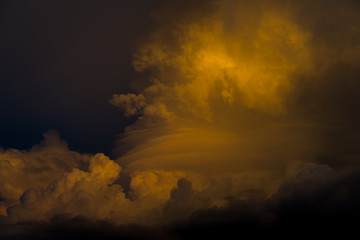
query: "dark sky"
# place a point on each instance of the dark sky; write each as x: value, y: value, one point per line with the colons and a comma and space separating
x: 61, y: 61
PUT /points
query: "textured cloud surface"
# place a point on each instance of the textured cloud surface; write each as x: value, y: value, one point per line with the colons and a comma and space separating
x: 246, y: 112
x: 35, y: 168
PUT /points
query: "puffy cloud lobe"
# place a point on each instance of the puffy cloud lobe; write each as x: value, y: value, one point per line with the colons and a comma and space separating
x: 221, y: 58
x: 162, y: 196
x: 156, y: 196
x: 75, y: 193
x: 132, y: 104
x: 35, y: 168
x: 250, y: 64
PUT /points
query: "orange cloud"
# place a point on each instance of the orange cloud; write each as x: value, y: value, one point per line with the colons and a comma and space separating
x: 244, y: 99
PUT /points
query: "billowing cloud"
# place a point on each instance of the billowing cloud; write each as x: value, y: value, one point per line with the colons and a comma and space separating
x: 249, y: 96
x: 248, y: 114
x: 35, y: 168
x: 131, y: 104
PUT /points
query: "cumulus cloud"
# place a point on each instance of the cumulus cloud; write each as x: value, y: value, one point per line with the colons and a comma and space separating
x: 248, y: 117
x: 75, y: 193
x: 35, y: 168
x: 217, y: 101
x: 254, y: 96
x: 131, y: 104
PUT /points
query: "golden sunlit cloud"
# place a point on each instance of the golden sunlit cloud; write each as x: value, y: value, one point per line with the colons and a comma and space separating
x: 230, y: 111
x: 218, y: 94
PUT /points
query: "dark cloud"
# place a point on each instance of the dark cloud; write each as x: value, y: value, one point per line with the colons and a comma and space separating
x: 63, y: 227
x: 311, y: 207
x: 298, y: 210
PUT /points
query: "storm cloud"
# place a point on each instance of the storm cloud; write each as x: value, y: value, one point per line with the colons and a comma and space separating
x: 244, y: 116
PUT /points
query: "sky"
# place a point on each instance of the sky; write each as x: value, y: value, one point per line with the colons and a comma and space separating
x: 179, y: 119
x: 61, y: 62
